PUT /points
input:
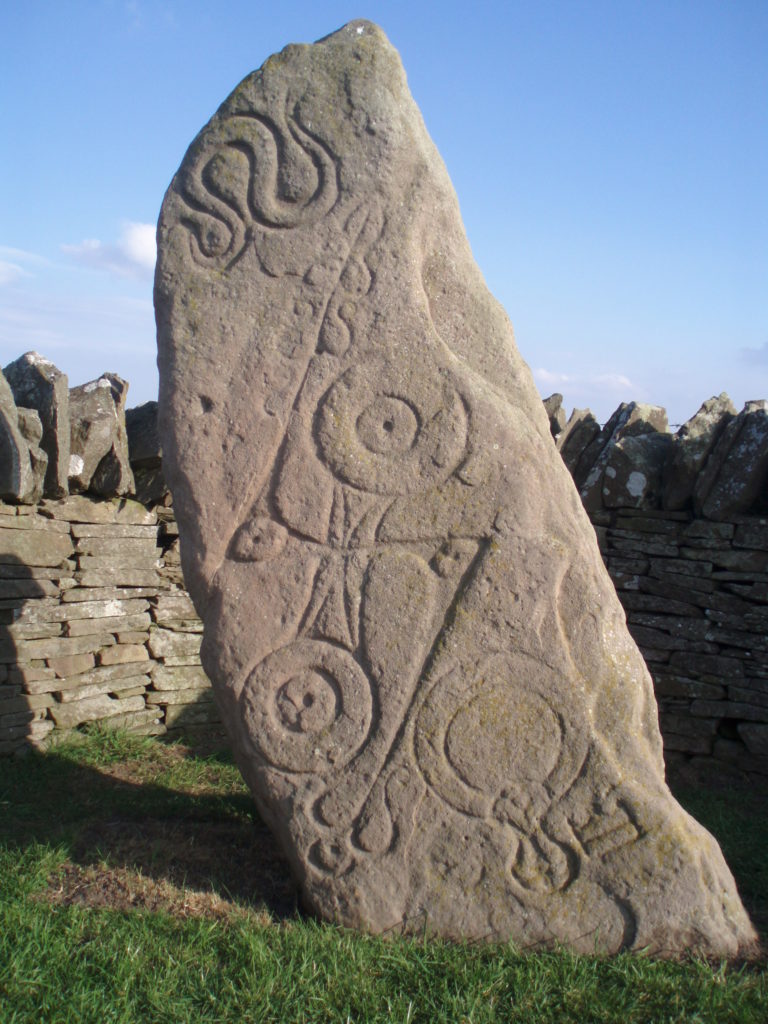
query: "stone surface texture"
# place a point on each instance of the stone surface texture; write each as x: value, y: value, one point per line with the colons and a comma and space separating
x: 17, y: 477
x: 99, y: 458
x: 37, y: 384
x: 418, y: 654
x: 693, y: 443
x: 736, y: 474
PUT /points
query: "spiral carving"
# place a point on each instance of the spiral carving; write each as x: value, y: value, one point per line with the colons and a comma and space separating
x: 308, y: 707
x: 250, y: 171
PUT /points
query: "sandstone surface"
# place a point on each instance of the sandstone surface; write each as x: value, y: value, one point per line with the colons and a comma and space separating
x: 422, y: 663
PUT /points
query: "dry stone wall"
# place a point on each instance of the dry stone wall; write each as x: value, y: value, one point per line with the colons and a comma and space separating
x: 96, y: 625
x: 682, y: 523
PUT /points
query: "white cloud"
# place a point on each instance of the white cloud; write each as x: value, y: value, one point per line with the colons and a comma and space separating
x: 14, y: 263
x: 11, y: 272
x: 755, y: 356
x: 602, y: 382
x: 133, y: 255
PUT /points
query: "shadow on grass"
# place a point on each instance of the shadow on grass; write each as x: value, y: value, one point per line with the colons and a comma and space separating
x: 129, y: 843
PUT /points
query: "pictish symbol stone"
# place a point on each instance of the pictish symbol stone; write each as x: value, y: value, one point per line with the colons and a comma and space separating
x: 421, y: 661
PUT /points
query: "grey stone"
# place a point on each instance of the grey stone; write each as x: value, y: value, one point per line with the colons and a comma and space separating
x: 415, y: 646
x: 99, y: 459
x: 553, y: 407
x: 31, y: 428
x: 166, y: 643
x: 18, y: 481
x: 579, y: 432
x: 633, y: 419
x: 123, y: 654
x: 121, y: 578
x: 734, y: 478
x: 692, y: 445
x: 81, y: 509
x: 34, y: 547
x: 149, y: 484
x: 143, y: 440
x: 123, y: 687
x: 634, y: 469
x: 755, y: 737
x: 145, y: 453
x: 67, y: 716
x: 37, y: 384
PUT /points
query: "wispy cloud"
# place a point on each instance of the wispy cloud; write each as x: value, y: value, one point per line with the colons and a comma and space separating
x: 756, y: 356
x: 133, y: 255
x: 602, y: 382
x: 15, y: 263
x: 11, y: 272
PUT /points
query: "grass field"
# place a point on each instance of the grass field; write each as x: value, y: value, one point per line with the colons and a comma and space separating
x: 137, y: 884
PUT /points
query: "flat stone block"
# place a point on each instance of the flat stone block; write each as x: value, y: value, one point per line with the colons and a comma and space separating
x: 71, y: 665
x: 118, y: 547
x: 164, y: 643
x: 117, y: 561
x: 80, y: 509
x: 113, y: 531
x: 190, y: 696
x: 122, y: 578
x: 34, y: 547
x: 80, y: 594
x: 83, y: 627
x: 62, y: 647
x: 119, y: 687
x: 183, y: 678
x: 123, y: 654
x: 91, y: 709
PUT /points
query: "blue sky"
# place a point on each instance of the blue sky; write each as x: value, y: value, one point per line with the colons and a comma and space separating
x: 610, y: 158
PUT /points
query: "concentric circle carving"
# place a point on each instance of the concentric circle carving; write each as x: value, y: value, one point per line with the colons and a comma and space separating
x: 386, y: 430
x: 308, y: 707
x: 497, y: 743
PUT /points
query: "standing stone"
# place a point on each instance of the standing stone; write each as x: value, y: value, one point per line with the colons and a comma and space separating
x: 631, y: 419
x: 735, y: 476
x: 145, y: 453
x: 99, y: 442
x: 17, y: 479
x: 37, y: 384
x: 692, y: 445
x: 634, y: 471
x: 579, y: 432
x: 418, y: 653
x: 553, y: 406
x: 31, y: 428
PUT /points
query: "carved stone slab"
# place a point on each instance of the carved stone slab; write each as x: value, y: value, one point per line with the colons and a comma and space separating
x: 423, y: 666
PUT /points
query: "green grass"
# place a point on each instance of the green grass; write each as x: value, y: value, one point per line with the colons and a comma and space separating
x: 95, y: 835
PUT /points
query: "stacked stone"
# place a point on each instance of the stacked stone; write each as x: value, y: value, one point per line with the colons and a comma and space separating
x: 94, y: 625
x: 180, y: 688
x: 681, y: 526
x: 76, y: 577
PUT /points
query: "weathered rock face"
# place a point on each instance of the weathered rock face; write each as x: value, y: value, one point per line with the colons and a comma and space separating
x: 553, y: 406
x: 736, y: 473
x: 693, y: 444
x: 145, y: 452
x: 18, y: 481
x: 421, y: 661
x: 99, y: 459
x: 37, y: 384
